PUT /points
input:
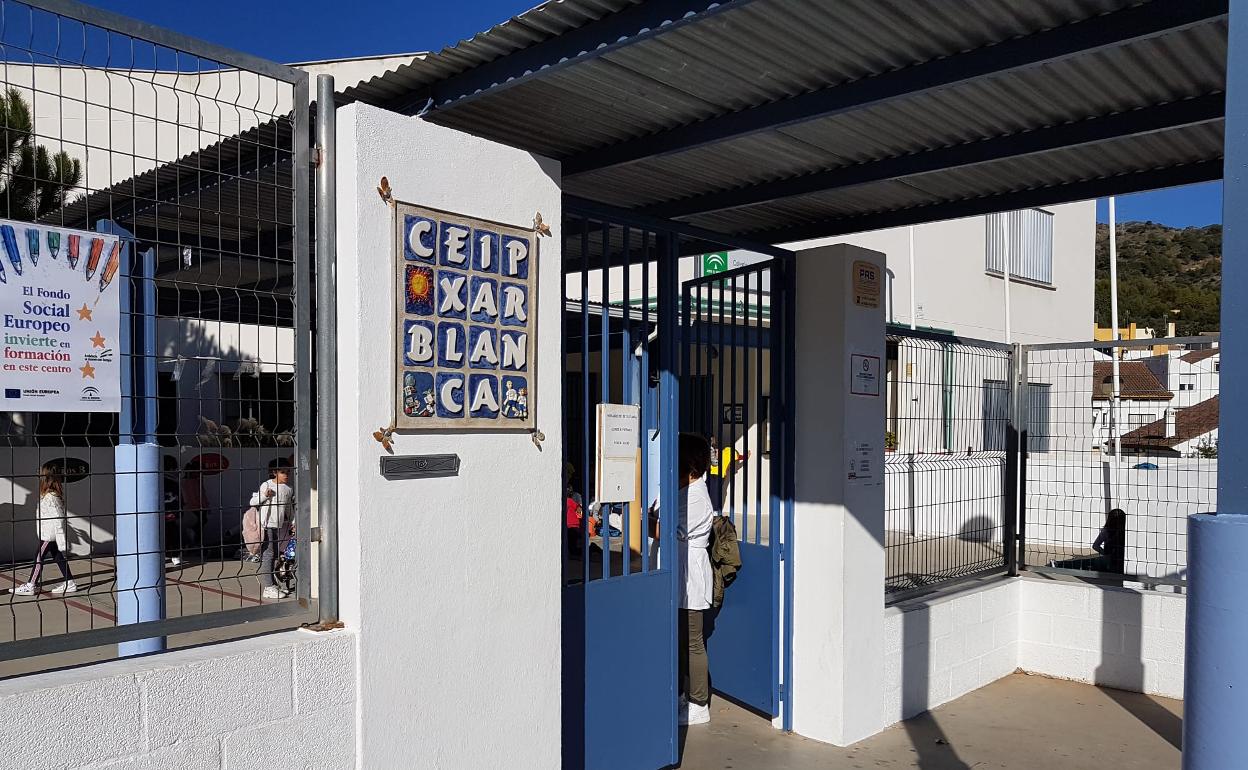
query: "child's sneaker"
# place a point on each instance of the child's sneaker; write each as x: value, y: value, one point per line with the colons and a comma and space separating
x: 25, y: 589
x: 271, y: 592
x: 68, y: 587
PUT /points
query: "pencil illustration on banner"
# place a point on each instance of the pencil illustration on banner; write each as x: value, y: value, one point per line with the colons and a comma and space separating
x: 54, y: 244
x: 75, y: 242
x: 93, y: 261
x: 32, y: 245
x: 110, y: 267
x: 10, y: 247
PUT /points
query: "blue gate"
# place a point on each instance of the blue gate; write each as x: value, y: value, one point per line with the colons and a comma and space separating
x: 736, y: 378
x: 623, y: 339
x: 619, y: 616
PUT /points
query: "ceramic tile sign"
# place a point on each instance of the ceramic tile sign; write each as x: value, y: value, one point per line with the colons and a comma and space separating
x: 61, y: 309
x: 465, y: 325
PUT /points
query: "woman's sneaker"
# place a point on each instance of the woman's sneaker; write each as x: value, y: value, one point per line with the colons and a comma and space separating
x: 693, y: 714
x: 68, y: 587
x: 25, y: 589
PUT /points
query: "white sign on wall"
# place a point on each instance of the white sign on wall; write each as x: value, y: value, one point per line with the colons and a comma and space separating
x: 618, y: 452
x: 864, y: 375
x: 61, y: 312
x: 862, y: 464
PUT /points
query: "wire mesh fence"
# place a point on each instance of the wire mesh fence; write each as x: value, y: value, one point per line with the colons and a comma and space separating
x: 1128, y: 451
x: 154, y: 198
x: 947, y: 418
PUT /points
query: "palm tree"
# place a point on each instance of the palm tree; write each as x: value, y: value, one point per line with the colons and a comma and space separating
x: 33, y: 182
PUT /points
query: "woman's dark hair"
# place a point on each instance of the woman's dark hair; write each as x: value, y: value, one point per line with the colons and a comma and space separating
x: 695, y: 455
x: 1116, y: 518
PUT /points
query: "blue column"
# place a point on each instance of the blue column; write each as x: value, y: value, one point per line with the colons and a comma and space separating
x: 140, y: 553
x: 1216, y: 676
x: 140, y: 560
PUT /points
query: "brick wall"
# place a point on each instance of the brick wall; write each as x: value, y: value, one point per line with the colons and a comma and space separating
x: 938, y: 649
x: 1116, y: 637
x: 285, y: 700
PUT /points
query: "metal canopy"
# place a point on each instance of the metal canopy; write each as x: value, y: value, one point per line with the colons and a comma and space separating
x: 780, y: 120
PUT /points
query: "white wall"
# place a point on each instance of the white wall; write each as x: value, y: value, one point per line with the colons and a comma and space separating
x: 199, y: 353
x: 121, y: 123
x: 1069, y: 494
x: 940, y: 649
x: 286, y: 700
x: 455, y: 582
x: 1116, y: 637
x: 950, y: 260
x: 936, y: 650
x: 944, y: 494
x: 838, y: 522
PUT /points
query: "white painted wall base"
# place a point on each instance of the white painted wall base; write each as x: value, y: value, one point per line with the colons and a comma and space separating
x: 939, y: 649
x: 285, y: 700
x: 1116, y: 637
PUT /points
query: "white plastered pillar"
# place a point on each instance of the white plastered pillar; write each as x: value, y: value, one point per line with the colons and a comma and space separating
x: 838, y: 530
x: 454, y: 583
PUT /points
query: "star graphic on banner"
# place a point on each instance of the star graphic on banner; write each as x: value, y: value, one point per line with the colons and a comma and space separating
x: 98, y: 340
x: 84, y: 313
x: 87, y: 371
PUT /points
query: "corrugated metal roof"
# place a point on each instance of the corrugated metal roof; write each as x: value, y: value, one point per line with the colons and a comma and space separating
x: 763, y: 51
x: 543, y: 22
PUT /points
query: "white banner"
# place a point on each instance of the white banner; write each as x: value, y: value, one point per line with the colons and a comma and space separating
x: 60, y: 302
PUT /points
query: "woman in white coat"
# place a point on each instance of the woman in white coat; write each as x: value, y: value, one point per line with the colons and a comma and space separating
x: 53, y: 525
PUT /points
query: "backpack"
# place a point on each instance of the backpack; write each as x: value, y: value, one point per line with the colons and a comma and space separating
x: 252, y: 537
x: 725, y: 556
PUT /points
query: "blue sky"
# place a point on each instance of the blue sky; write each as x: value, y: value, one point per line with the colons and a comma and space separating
x: 302, y: 30
x: 1191, y: 206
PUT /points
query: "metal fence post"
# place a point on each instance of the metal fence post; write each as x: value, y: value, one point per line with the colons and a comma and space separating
x: 1010, y: 499
x: 1022, y: 417
x: 327, y: 347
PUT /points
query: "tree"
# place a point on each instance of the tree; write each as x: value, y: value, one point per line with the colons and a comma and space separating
x: 33, y: 182
x: 1162, y: 269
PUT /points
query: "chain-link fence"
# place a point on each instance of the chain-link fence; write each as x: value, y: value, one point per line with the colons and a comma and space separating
x: 156, y: 299
x: 1128, y: 451
x: 946, y: 501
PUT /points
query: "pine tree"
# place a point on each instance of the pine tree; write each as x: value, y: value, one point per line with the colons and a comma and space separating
x: 33, y: 181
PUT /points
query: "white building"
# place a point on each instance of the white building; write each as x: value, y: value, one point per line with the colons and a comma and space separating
x: 957, y: 277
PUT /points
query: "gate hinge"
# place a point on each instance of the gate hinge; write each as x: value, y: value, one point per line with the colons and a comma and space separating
x: 318, y: 154
x: 316, y: 534
x: 782, y: 552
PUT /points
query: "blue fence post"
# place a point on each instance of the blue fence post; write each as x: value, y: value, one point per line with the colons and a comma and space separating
x: 669, y: 427
x: 1216, y: 675
x: 140, y: 562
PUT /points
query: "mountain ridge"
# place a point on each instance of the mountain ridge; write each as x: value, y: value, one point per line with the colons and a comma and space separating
x: 1162, y: 269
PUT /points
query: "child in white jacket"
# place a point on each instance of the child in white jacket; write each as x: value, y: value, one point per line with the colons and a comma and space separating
x: 53, y: 526
x: 276, y: 513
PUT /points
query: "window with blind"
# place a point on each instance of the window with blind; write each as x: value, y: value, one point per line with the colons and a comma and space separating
x: 996, y: 415
x: 1031, y: 244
